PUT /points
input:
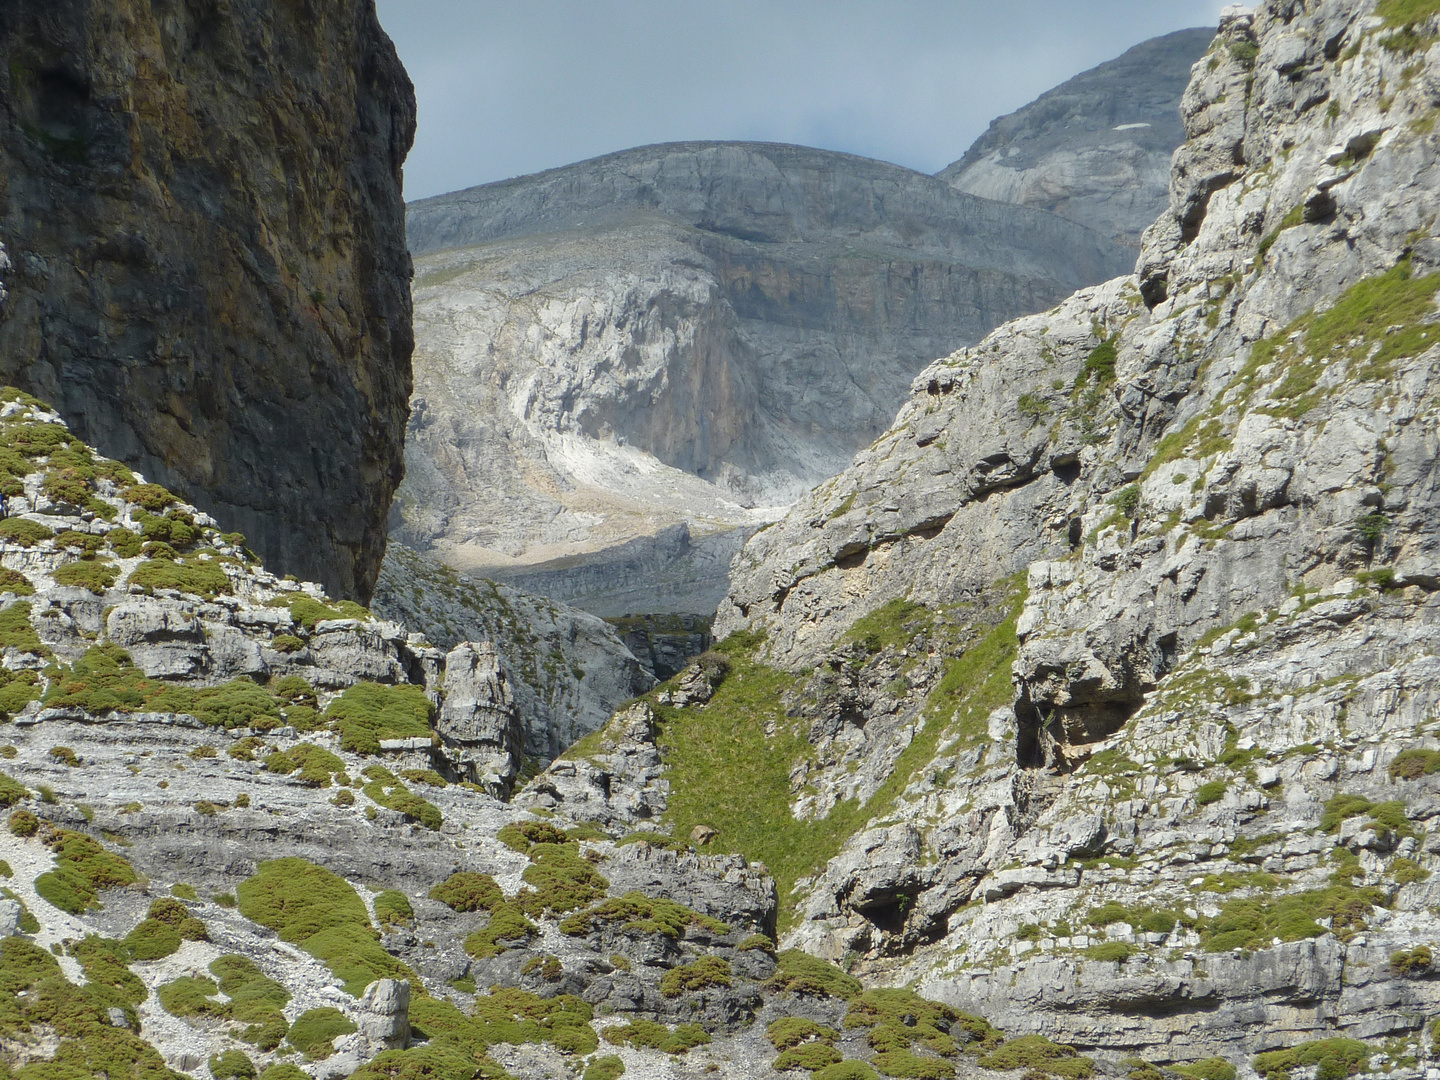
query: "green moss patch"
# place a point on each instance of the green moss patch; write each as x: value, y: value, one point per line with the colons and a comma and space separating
x: 232, y: 1065
x: 811, y: 1055
x: 298, y: 899
x: 308, y: 611
x: 255, y: 1000
x: 96, y: 575
x: 893, y: 625
x: 369, y: 712
x: 899, y: 1020
x: 560, y: 880
x: 238, y: 703
x: 12, y: 581
x: 1411, y: 962
x: 35, y: 998
x: 704, y: 973
x: 152, y: 940
x: 149, y: 496
x: 11, y: 791
x: 647, y: 1034
x: 639, y: 913
x: 393, y: 909
x: 1038, y: 1054
x: 191, y: 996
x: 456, y: 1046
x: 196, y: 576
x: 27, y: 923
x: 791, y: 1031
x: 385, y: 788
x: 507, y: 928
x: 1415, y: 763
x: 84, y: 867
x: 104, y: 680
x: 522, y: 836
x: 724, y: 768
x: 1387, y: 815
x: 608, y: 1067
x: 1110, y: 952
x: 1359, y: 329
x: 1335, y: 1059
x: 1400, y: 13
x: 315, y: 1031
x: 315, y: 765
x: 468, y: 891
x: 1254, y: 923
x: 797, y: 972
x: 309, y: 906
x: 846, y: 1070
x: 24, y: 532
x: 160, y: 933
x: 17, y: 631
x: 1214, y: 1068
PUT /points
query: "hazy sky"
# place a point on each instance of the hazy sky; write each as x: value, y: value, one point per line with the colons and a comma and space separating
x: 508, y: 87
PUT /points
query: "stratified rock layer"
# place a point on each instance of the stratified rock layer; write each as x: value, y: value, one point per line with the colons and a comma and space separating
x: 212, y: 282
x: 1095, y: 149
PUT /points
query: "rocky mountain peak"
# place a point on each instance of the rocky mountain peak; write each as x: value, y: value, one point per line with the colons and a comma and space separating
x: 1095, y: 149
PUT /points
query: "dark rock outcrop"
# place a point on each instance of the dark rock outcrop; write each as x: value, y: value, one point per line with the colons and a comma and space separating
x: 204, y: 208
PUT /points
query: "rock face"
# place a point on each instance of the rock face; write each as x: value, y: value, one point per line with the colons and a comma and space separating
x: 688, y: 333
x: 478, y: 724
x: 1096, y: 700
x: 565, y: 669
x: 249, y: 773
x: 674, y: 571
x: 1095, y: 149
x: 1193, y: 512
x: 212, y: 281
x: 664, y: 644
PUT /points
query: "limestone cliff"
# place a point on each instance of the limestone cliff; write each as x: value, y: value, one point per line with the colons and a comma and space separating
x: 211, y: 281
x: 1105, y: 677
x: 1095, y: 149
x: 689, y: 333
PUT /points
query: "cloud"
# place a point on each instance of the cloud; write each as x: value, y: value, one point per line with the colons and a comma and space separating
x: 508, y: 87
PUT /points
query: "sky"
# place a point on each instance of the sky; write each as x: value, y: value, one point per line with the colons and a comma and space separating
x: 509, y: 87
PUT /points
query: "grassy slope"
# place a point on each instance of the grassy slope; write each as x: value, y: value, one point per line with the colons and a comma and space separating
x: 725, y: 771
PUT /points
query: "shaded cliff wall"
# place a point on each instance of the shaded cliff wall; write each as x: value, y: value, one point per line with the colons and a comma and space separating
x: 203, y: 205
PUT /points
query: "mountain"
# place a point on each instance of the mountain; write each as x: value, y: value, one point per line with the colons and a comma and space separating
x: 1095, y: 149
x: 210, y: 281
x: 1106, y: 674
x: 1082, y: 727
x: 692, y: 334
